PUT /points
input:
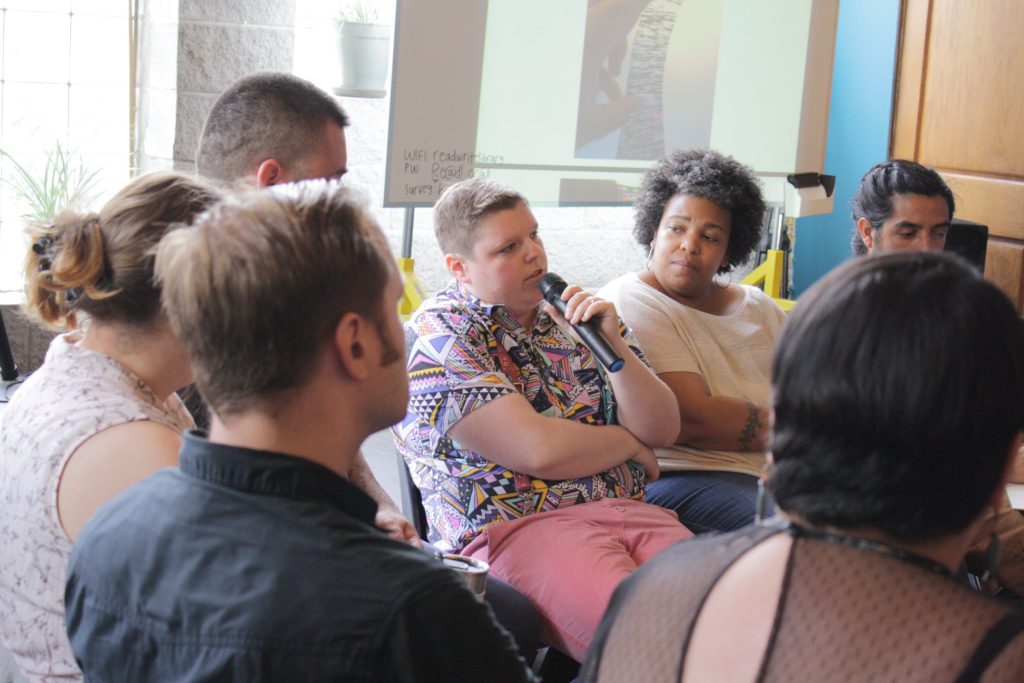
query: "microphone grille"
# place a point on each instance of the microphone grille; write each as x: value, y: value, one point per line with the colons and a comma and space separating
x: 551, y: 286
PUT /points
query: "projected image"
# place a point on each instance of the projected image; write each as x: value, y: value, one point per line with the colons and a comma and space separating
x: 604, y: 108
x: 635, y: 53
x: 571, y: 102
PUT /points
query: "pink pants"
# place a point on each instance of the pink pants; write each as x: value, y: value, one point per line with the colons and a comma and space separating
x: 569, y: 561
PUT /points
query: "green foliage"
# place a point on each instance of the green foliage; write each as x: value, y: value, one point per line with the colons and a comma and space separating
x: 358, y: 11
x: 65, y: 183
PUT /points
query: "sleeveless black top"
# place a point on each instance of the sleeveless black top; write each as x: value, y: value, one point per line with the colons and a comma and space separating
x: 846, y: 612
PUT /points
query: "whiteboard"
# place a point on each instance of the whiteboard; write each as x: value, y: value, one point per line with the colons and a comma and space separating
x: 572, y: 101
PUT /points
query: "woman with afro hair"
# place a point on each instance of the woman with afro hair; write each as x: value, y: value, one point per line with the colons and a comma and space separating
x: 710, y: 340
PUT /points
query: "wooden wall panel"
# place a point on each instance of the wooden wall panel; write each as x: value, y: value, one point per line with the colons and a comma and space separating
x: 995, y: 202
x: 971, y: 115
x: 1004, y: 267
x: 959, y: 107
x: 913, y: 46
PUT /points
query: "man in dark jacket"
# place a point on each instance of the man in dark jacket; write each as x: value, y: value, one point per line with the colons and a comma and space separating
x: 257, y: 559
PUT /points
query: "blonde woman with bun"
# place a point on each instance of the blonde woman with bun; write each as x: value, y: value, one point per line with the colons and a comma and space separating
x: 100, y: 414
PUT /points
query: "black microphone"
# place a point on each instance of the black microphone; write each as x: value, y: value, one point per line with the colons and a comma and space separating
x: 551, y: 287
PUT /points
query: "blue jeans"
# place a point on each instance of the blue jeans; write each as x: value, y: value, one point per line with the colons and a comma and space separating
x: 707, y: 501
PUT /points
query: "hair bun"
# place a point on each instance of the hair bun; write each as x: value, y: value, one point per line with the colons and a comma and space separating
x: 65, y: 263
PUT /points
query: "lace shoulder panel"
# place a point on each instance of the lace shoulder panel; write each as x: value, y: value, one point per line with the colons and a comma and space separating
x: 647, y: 627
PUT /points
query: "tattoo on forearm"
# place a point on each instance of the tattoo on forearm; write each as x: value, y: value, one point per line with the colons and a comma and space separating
x: 752, y: 428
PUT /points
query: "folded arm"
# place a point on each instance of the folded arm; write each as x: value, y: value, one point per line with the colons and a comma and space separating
x: 508, y: 431
x: 715, y: 422
x: 644, y: 404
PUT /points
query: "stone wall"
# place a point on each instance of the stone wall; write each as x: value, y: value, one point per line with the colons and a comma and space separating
x: 190, y: 50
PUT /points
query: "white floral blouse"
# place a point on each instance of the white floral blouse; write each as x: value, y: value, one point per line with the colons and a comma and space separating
x: 74, y: 395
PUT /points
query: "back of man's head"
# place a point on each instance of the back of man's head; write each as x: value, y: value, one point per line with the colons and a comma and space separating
x: 883, y: 182
x: 268, y: 115
x: 256, y: 288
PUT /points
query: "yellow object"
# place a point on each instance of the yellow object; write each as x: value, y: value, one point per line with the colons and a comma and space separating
x: 768, y: 276
x: 412, y: 290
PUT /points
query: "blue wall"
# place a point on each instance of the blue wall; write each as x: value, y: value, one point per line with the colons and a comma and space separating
x: 858, y: 129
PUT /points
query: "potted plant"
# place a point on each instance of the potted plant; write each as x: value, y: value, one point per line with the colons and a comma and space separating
x: 363, y: 43
x: 63, y: 183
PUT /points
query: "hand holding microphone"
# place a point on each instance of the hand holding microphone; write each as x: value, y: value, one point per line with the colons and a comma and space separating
x: 551, y: 287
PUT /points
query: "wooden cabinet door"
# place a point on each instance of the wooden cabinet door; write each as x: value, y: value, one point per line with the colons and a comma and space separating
x: 960, y: 109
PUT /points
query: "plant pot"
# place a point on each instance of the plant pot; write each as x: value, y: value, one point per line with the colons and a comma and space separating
x: 364, y: 50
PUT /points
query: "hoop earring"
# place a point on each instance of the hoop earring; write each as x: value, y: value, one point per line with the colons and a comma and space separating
x: 718, y: 282
x: 650, y: 256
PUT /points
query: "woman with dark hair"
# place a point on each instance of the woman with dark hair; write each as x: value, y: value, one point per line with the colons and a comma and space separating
x: 898, y: 405
x: 100, y: 413
x: 700, y: 214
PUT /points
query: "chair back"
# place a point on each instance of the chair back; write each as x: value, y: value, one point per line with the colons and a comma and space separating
x: 412, y: 501
x: 968, y: 240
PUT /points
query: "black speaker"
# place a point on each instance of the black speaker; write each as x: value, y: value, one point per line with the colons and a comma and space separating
x: 8, y: 368
x: 969, y: 240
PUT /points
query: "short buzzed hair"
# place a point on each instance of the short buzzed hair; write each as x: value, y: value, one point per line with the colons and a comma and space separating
x: 462, y: 206
x: 255, y: 288
x: 269, y: 115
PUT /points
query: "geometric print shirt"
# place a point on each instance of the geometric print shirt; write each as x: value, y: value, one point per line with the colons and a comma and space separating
x: 462, y: 353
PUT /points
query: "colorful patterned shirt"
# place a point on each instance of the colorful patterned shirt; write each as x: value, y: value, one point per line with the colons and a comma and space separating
x: 464, y: 352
